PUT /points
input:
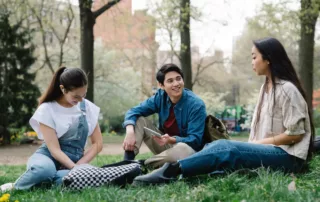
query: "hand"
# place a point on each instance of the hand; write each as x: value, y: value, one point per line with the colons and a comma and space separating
x: 255, y: 142
x: 130, y: 139
x: 84, y: 165
x: 164, y: 139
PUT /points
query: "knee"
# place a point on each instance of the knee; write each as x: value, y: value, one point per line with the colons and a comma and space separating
x: 141, y: 121
x: 184, y: 148
x: 43, y: 170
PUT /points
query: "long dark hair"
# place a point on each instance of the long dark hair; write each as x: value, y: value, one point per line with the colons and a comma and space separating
x: 70, y: 78
x: 281, y: 68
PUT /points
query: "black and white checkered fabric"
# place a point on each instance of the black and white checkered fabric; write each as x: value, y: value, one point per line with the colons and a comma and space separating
x: 90, y: 176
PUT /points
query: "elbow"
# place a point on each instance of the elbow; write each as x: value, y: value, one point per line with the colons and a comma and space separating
x: 99, y: 147
x: 297, y: 138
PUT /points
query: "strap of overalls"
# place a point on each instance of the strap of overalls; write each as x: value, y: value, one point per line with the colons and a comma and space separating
x: 83, y: 106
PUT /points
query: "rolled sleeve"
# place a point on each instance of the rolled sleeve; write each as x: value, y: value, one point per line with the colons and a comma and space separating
x: 42, y: 115
x: 296, y: 129
x: 294, y: 114
x: 128, y: 122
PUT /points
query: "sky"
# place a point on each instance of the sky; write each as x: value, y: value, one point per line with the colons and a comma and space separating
x: 222, y: 21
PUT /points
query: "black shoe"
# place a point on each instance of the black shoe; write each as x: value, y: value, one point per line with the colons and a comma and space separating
x: 162, y: 175
x: 128, y: 155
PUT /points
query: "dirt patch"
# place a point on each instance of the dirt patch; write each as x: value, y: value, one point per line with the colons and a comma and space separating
x: 19, y: 154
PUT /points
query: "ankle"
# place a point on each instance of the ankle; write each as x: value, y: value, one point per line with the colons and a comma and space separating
x: 129, y: 155
x: 173, y: 170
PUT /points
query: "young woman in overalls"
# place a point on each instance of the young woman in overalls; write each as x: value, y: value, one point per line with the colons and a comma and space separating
x: 64, y: 120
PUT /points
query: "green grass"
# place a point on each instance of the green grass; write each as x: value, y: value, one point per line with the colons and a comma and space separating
x: 262, y: 185
x: 118, y: 139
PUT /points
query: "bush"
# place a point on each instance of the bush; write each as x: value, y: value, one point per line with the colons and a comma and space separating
x: 110, y: 124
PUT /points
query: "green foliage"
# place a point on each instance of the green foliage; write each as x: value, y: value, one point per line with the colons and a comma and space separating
x: 17, y: 134
x: 117, y: 87
x: 316, y: 118
x: 258, y: 185
x: 18, y: 95
x: 213, y: 101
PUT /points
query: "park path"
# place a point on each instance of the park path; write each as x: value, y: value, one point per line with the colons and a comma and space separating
x: 19, y: 154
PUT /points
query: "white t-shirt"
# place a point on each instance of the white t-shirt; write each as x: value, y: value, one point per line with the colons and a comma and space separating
x: 61, y: 118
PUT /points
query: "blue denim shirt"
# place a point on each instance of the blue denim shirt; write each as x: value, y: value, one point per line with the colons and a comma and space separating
x: 190, y: 113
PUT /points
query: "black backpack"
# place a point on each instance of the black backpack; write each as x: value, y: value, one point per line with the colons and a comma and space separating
x: 316, y: 144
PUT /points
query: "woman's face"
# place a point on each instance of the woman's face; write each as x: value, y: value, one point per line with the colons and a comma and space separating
x: 259, y: 65
x: 76, y: 95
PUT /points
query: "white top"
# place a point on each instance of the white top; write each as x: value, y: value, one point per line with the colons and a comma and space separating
x: 61, y: 118
x: 289, y: 116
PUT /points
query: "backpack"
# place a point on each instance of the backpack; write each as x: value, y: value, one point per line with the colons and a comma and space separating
x: 86, y: 175
x: 214, y: 130
x: 316, y: 144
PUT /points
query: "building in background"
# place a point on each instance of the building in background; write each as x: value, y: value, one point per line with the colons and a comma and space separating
x: 133, y: 36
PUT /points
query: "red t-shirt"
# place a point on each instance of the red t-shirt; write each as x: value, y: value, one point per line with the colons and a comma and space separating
x: 170, y: 126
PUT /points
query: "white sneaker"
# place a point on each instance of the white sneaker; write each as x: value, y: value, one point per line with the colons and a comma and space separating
x: 6, y: 187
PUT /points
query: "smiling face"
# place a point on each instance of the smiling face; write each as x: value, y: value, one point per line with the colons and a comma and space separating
x: 259, y: 65
x: 173, y: 85
x: 74, y: 96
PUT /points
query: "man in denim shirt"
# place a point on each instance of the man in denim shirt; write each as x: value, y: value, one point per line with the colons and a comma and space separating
x: 181, y: 121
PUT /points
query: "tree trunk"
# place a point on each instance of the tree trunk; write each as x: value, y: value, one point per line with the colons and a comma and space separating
x: 185, y: 50
x: 87, y: 21
x: 308, y: 19
x: 86, y: 44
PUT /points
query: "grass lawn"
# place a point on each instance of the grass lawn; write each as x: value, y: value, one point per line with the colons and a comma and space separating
x: 114, y: 139
x: 262, y: 185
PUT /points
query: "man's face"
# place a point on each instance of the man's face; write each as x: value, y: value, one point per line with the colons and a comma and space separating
x: 173, y: 85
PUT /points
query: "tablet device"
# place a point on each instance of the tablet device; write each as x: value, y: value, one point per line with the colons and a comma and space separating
x: 152, y: 132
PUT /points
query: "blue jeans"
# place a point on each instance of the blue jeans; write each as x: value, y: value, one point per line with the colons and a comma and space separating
x: 40, y: 169
x: 232, y: 155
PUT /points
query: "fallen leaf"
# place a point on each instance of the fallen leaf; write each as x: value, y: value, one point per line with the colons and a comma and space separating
x: 292, y: 186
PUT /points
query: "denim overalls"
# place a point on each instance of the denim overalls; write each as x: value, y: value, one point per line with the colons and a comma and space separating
x: 42, y: 167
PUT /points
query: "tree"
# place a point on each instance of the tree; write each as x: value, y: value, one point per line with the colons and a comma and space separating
x: 18, y: 95
x: 87, y: 21
x: 185, y: 49
x: 308, y: 17
x: 272, y: 20
x: 173, y: 23
x: 49, y: 29
x: 55, y: 33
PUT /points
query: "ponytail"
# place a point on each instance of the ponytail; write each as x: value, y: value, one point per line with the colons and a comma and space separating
x: 53, y: 92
